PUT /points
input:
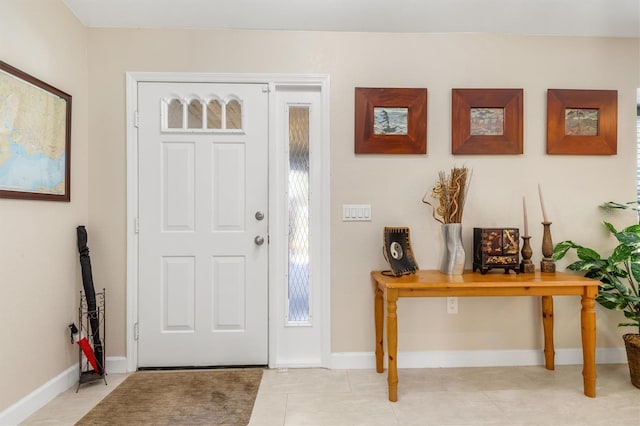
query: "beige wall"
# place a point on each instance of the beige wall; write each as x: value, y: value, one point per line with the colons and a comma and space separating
x: 39, y: 270
x: 573, y: 186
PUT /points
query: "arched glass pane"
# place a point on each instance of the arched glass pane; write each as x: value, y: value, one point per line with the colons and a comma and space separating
x: 214, y: 115
x: 174, y: 114
x: 234, y: 115
x: 194, y: 115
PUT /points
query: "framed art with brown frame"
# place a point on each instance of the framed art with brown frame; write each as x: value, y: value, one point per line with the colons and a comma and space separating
x: 486, y: 121
x: 35, y: 142
x: 390, y: 121
x: 583, y: 122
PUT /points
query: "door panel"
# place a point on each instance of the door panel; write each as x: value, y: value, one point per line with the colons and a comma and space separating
x: 178, y: 290
x: 178, y: 186
x: 228, y: 187
x: 202, y: 278
x: 228, y: 292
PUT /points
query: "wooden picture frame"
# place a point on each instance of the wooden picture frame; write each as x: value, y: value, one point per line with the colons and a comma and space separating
x: 486, y: 121
x: 390, y: 121
x: 582, y: 122
x: 37, y: 138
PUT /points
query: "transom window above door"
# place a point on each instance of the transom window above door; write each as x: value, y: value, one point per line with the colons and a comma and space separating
x: 209, y: 115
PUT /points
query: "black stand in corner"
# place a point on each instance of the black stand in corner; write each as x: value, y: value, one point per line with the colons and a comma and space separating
x: 96, y: 337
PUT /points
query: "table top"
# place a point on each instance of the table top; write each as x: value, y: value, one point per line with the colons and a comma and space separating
x: 492, y: 279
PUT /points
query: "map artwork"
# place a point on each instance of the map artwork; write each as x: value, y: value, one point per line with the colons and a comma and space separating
x: 33, y: 138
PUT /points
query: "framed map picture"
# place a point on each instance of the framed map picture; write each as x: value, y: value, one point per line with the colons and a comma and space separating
x: 35, y: 138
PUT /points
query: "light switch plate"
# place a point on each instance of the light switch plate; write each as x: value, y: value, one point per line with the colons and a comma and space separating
x: 356, y: 212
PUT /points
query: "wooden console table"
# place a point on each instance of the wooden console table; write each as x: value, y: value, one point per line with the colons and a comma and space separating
x: 470, y: 284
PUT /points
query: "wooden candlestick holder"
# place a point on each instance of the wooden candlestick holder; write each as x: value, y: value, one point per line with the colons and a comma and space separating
x: 547, y: 264
x: 526, y: 266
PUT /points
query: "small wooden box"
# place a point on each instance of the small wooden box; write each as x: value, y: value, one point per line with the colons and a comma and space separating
x: 496, y: 248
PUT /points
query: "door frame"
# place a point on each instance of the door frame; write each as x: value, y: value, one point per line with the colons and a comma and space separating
x: 277, y: 195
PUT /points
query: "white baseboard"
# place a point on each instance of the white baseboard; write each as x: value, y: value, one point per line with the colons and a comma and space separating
x: 37, y: 399
x: 40, y: 397
x: 484, y: 358
x: 117, y: 364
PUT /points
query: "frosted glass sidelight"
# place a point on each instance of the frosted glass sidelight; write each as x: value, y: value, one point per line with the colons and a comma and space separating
x: 174, y: 114
x: 234, y: 115
x: 214, y: 115
x: 298, y: 286
x: 194, y: 115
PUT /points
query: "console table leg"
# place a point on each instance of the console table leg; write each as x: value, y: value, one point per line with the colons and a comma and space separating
x: 392, y: 343
x: 547, y: 326
x: 588, y: 323
x: 378, y: 311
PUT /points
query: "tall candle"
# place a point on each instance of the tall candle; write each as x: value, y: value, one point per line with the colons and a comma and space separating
x: 526, y: 222
x: 544, y: 212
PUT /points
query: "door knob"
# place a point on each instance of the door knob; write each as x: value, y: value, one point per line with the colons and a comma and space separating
x: 259, y: 215
x: 259, y: 240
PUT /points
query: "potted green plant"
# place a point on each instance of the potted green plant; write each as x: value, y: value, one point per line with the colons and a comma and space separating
x: 620, y: 275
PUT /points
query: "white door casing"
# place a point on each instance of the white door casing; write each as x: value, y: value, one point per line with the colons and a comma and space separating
x: 299, y: 343
x: 278, y: 341
x: 203, y: 291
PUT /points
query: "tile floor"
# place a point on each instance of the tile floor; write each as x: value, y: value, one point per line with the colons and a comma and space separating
x: 452, y: 396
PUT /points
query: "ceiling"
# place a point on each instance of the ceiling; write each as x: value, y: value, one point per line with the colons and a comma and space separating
x: 617, y: 18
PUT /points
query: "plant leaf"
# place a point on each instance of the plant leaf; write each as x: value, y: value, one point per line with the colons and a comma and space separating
x: 635, y: 300
x: 597, y: 273
x: 621, y: 288
x: 621, y: 253
x: 585, y: 253
x: 633, y: 228
x: 629, y: 324
x: 611, y: 301
x: 586, y: 265
x: 611, y: 228
x: 635, y: 272
x: 628, y: 238
x: 561, y: 249
x: 606, y: 286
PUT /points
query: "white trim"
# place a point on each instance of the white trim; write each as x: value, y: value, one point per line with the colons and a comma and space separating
x: 319, y: 80
x: 324, y: 274
x: 132, y: 219
x: 40, y: 397
x: 116, y: 365
x: 274, y: 81
x: 276, y: 222
x: 298, y: 343
x: 480, y: 358
x: 37, y: 399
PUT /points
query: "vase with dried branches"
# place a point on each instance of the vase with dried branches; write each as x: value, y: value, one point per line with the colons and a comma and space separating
x: 450, y: 191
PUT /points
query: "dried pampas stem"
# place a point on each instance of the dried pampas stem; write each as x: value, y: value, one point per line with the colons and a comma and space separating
x: 451, y: 192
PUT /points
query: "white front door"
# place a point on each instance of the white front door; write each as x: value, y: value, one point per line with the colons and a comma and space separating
x: 203, y: 200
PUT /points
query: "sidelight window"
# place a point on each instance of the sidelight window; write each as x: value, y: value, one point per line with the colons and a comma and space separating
x: 298, y: 285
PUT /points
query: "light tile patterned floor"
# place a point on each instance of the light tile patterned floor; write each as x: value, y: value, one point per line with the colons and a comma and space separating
x: 451, y: 396
x: 69, y: 407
